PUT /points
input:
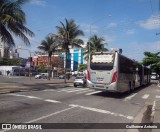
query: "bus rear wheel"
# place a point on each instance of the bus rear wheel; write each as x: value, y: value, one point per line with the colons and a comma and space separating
x: 133, y: 86
x: 129, y: 87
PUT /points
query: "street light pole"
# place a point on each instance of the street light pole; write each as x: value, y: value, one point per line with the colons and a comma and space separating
x: 90, y: 32
x: 29, y: 60
x: 30, y: 66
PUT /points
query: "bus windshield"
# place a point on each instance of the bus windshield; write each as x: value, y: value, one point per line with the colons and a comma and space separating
x: 102, y: 61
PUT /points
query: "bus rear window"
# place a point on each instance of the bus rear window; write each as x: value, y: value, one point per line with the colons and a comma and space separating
x: 102, y: 61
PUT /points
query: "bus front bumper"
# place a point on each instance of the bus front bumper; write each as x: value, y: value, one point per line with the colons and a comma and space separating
x: 102, y: 87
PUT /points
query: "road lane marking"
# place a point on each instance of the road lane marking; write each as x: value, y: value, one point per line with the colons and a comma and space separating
x: 49, y: 90
x: 130, y: 97
x: 34, y: 97
x: 49, y: 115
x: 77, y: 90
x: 21, y: 95
x: 103, y: 111
x: 158, y: 90
x: 157, y: 96
x: 93, y: 92
x: 64, y: 89
x: 69, y: 89
x: 153, y: 109
x: 52, y: 101
x: 84, y: 91
x: 145, y: 96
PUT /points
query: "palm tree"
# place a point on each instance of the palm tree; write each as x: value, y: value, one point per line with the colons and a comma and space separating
x: 49, y: 45
x: 12, y: 20
x: 95, y: 44
x: 152, y: 60
x: 68, y: 33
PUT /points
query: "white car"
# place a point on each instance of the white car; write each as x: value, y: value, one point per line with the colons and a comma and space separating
x: 80, y: 81
x: 154, y: 76
x: 41, y: 75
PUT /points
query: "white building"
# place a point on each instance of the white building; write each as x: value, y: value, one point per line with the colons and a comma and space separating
x: 11, y: 69
x: 7, y: 52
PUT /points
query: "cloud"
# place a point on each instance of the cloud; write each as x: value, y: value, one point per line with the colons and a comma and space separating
x: 130, y: 31
x: 108, y: 38
x: 89, y: 28
x: 151, y: 23
x: 112, y: 25
x: 38, y: 2
x: 135, y: 50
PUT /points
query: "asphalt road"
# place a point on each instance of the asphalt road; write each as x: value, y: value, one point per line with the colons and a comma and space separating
x: 58, y: 104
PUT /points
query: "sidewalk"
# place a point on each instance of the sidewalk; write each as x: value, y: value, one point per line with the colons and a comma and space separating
x: 156, y: 114
x: 10, y: 85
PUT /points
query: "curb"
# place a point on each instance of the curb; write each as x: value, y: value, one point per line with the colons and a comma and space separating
x: 156, y: 114
x: 27, y: 87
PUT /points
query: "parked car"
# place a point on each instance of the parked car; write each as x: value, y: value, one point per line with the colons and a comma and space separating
x: 80, y: 81
x: 61, y: 76
x: 41, y: 75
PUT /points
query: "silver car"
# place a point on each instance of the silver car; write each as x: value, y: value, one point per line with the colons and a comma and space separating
x: 80, y: 81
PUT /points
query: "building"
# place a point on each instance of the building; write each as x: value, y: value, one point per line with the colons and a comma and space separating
x: 7, y: 52
x: 74, y: 58
x: 44, y: 60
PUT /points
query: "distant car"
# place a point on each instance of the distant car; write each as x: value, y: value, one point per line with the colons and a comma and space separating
x: 80, y: 81
x: 61, y: 76
x: 154, y: 76
x: 41, y: 75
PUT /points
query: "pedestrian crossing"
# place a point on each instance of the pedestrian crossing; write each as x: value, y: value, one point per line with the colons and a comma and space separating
x: 86, y: 91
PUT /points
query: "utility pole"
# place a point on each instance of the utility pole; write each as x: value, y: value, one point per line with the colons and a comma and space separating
x: 159, y: 18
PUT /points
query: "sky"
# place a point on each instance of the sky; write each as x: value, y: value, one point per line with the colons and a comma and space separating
x: 131, y: 25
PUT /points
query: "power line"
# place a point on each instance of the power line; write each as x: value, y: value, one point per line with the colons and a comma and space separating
x: 151, y: 6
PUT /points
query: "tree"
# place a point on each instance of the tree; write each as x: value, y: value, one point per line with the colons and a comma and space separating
x: 95, y: 44
x: 152, y: 60
x: 41, y: 68
x: 49, y: 45
x: 10, y: 62
x: 12, y: 21
x: 68, y: 33
x: 82, y: 67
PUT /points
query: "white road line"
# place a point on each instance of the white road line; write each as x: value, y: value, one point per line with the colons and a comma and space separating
x: 52, y: 101
x: 62, y: 90
x: 93, y: 92
x: 49, y: 90
x: 20, y: 95
x: 102, y: 111
x: 157, y: 96
x: 49, y: 115
x: 145, y: 96
x: 153, y: 109
x: 85, y: 91
x: 77, y: 90
x: 33, y: 97
x: 70, y: 90
x: 130, y: 97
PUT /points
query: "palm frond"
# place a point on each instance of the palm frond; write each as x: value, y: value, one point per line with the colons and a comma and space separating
x: 12, y: 20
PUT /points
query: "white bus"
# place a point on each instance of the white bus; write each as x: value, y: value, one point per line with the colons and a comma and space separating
x: 111, y: 71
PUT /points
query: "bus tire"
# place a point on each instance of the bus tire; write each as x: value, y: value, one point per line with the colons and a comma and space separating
x: 133, y: 86
x: 130, y: 87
